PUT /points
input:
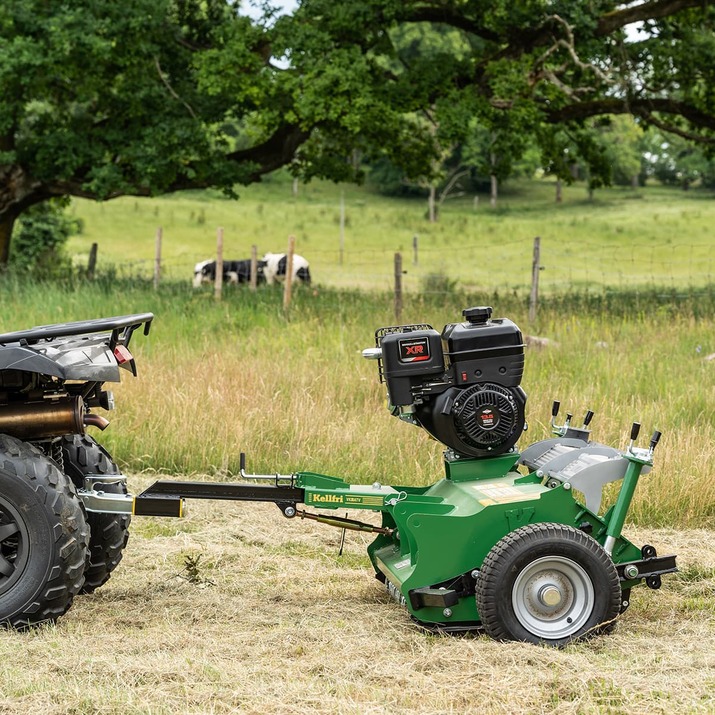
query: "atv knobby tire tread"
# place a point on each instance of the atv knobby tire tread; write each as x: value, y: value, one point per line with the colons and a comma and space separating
x: 54, y: 540
x: 109, y: 532
x: 502, y: 564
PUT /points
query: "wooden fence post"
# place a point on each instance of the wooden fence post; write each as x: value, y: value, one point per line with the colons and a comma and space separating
x: 535, y: 268
x: 254, y: 267
x: 342, y: 226
x: 288, y: 287
x: 218, y: 284
x: 398, y: 287
x: 157, y: 258
x: 92, y: 263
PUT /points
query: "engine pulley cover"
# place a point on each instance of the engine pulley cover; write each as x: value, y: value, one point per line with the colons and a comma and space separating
x: 486, y: 415
x: 481, y: 420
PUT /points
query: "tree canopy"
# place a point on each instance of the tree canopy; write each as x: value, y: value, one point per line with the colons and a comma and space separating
x: 150, y: 96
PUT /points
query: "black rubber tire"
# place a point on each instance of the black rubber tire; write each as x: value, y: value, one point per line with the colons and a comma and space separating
x: 81, y: 455
x: 545, y: 562
x: 44, y: 537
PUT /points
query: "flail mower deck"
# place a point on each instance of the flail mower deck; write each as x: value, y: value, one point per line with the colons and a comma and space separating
x: 511, y: 542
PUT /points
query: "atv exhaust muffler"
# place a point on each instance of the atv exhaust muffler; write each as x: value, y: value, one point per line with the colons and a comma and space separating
x: 41, y: 420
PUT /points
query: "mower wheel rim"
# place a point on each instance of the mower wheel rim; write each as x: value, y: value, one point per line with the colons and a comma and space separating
x: 553, y: 597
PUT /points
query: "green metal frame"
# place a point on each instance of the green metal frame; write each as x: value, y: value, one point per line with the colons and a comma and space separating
x: 441, y: 534
x: 432, y: 541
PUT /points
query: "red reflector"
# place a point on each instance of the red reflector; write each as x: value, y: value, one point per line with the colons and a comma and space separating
x: 122, y: 354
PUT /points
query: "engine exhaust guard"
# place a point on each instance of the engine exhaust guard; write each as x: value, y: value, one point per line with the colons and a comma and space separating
x: 41, y: 420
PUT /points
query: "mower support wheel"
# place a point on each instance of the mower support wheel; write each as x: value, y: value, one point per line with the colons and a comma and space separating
x: 81, y: 455
x: 43, y: 537
x: 547, y: 583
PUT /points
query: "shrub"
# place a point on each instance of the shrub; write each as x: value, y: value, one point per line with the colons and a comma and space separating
x: 39, y: 239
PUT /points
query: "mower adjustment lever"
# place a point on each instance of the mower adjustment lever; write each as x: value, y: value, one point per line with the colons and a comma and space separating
x: 654, y: 440
x: 635, y: 431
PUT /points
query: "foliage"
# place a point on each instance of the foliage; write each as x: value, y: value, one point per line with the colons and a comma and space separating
x: 389, y: 180
x: 676, y: 162
x: 41, y: 238
x: 149, y: 96
x: 104, y: 99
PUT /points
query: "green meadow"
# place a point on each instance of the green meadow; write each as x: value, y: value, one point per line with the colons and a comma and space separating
x: 623, y: 239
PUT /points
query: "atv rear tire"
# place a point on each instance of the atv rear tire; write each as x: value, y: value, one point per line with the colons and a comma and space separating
x: 81, y: 455
x: 547, y: 583
x: 43, y: 537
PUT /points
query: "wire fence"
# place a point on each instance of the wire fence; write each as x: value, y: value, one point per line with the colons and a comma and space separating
x: 508, y: 266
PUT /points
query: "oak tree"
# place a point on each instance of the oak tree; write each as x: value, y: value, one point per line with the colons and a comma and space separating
x: 150, y: 96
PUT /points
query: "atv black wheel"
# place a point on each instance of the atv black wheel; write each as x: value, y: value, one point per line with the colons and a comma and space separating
x: 81, y: 455
x: 43, y: 537
x: 549, y: 584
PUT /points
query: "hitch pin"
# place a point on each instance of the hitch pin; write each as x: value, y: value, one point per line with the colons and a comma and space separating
x: 264, y: 477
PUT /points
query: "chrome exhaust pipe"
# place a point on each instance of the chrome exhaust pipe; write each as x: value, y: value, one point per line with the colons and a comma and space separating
x: 41, y: 420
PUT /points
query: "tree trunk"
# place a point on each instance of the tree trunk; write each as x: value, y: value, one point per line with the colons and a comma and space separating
x: 18, y: 191
x: 431, y: 203
x: 559, y: 191
x: 494, y: 182
x: 6, y: 225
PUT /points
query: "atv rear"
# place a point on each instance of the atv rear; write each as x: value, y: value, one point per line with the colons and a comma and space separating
x: 51, y: 384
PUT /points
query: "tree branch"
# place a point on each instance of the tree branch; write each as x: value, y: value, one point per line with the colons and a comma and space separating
x: 644, y: 108
x: 275, y: 152
x: 163, y: 78
x: 651, y: 10
x: 453, y: 18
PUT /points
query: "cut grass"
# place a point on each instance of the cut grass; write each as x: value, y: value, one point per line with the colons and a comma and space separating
x: 285, y: 625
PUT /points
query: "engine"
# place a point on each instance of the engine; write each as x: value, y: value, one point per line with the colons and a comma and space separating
x: 462, y: 386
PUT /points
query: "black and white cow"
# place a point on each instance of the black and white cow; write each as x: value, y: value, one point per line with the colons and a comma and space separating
x: 233, y: 272
x: 274, y: 268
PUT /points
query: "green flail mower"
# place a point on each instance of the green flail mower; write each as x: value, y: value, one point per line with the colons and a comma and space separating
x: 506, y: 542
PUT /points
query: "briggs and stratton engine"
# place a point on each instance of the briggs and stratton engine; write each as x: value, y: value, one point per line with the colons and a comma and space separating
x: 462, y: 386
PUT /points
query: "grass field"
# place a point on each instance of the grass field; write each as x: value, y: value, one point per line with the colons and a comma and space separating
x: 623, y: 239
x: 275, y: 620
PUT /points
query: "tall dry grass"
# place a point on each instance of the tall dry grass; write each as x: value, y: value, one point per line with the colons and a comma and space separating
x: 294, y: 393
